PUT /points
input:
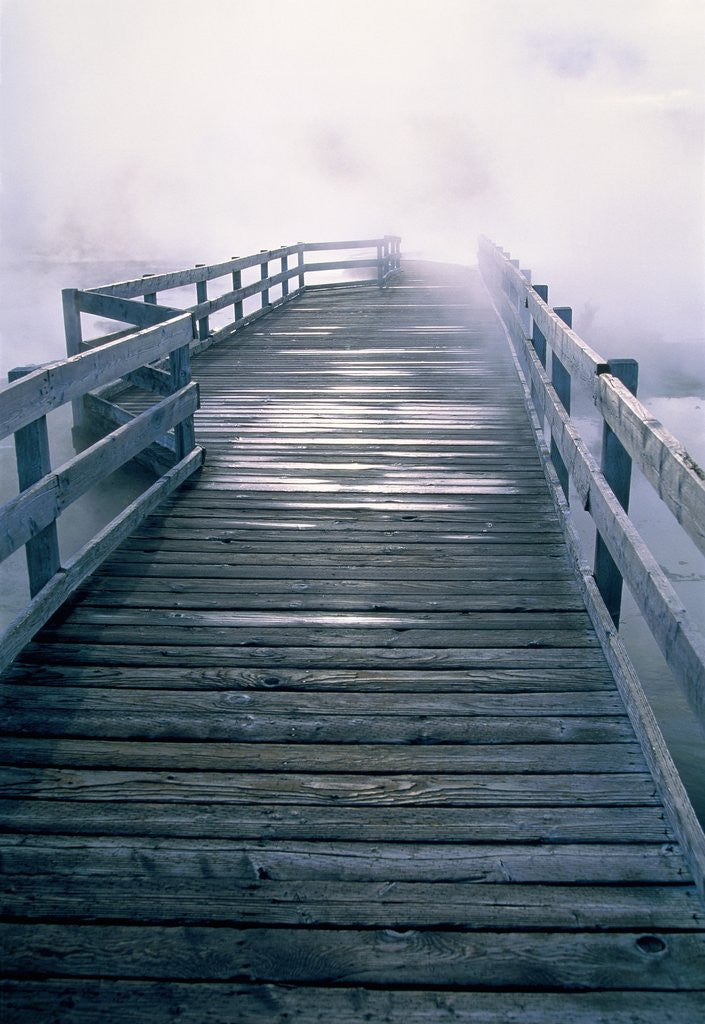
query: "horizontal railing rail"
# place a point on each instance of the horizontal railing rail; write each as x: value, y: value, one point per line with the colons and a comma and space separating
x: 630, y: 432
x: 29, y: 519
x: 386, y: 261
x: 153, y: 354
x: 140, y: 302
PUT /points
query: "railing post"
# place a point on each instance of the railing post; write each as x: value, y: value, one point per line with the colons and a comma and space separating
x: 237, y: 285
x: 380, y: 264
x: 524, y: 315
x: 184, y: 432
x: 300, y: 265
x: 616, y: 466
x: 74, y: 340
x: 284, y: 268
x: 202, y: 296
x: 264, y: 274
x: 537, y: 338
x: 33, y: 463
x: 150, y: 296
x: 560, y: 378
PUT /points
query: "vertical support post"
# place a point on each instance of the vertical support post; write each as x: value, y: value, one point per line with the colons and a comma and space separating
x: 74, y: 339
x: 202, y: 296
x: 560, y: 378
x: 33, y: 463
x: 285, y: 282
x: 514, y: 296
x: 263, y: 275
x: 539, y: 343
x: 150, y: 296
x: 180, y: 368
x: 387, y: 256
x: 616, y: 465
x: 537, y: 338
x: 300, y: 264
x: 237, y: 284
x: 524, y: 315
x: 380, y: 265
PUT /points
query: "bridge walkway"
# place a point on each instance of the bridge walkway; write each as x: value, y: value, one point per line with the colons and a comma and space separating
x: 331, y: 737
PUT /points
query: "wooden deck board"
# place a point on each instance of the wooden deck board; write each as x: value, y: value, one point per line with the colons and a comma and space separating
x: 331, y: 735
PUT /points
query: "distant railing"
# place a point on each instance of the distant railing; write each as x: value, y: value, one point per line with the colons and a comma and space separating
x: 630, y: 432
x: 117, y: 302
x: 153, y: 354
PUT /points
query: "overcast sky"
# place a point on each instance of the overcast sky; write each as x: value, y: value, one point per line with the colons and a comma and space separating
x: 182, y: 131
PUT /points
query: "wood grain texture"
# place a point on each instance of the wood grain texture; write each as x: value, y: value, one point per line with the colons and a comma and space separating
x: 78, y: 1001
x: 330, y: 737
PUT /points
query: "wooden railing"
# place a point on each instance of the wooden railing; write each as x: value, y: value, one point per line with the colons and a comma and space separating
x: 630, y: 432
x: 29, y: 519
x: 153, y: 354
x: 136, y: 302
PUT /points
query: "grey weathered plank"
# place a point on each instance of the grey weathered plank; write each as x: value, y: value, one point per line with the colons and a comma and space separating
x: 295, y: 637
x: 79, y: 1001
x: 493, y: 790
x: 488, y: 680
x: 394, y: 905
x: 534, y: 659
x: 529, y: 825
x: 298, y: 757
x: 437, y: 958
x: 596, y: 863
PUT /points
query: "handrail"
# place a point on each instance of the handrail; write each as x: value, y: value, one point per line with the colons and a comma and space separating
x: 140, y: 301
x: 630, y: 433
x: 152, y: 354
x: 30, y: 518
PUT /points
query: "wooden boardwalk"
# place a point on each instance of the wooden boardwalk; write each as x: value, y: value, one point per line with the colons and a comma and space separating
x: 331, y: 737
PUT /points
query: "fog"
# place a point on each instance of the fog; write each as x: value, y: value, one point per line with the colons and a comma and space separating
x: 175, y: 131
x: 143, y: 135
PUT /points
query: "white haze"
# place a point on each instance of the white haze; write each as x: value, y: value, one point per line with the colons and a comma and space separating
x: 180, y: 131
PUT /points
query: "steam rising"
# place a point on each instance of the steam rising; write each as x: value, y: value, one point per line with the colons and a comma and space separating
x: 174, y: 131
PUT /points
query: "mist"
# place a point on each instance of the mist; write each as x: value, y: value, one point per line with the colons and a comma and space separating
x: 176, y: 132
x: 146, y: 135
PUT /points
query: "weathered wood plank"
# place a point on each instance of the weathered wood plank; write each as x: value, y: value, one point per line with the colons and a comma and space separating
x: 274, y: 658
x: 136, y: 632
x: 474, y: 908
x: 217, y: 703
x: 141, y: 314
x: 498, y: 960
x: 298, y: 757
x: 79, y: 1001
x: 527, y: 825
x: 181, y: 278
x: 488, y: 680
x: 317, y: 862
x: 342, y: 789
